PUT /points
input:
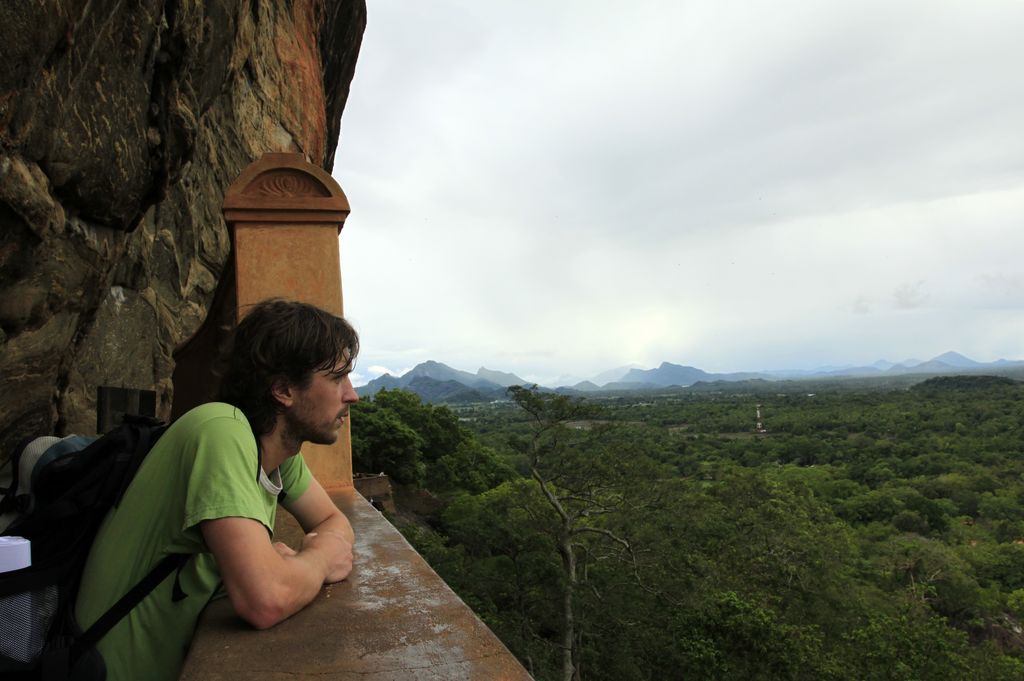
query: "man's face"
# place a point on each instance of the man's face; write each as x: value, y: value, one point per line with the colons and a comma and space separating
x: 319, y: 409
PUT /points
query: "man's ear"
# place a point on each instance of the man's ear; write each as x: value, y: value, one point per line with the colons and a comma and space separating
x: 282, y: 391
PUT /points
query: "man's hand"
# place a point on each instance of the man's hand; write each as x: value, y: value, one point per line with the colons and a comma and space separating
x: 335, y: 548
x: 331, y: 548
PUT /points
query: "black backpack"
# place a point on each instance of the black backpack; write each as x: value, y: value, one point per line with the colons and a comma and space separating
x: 71, y: 495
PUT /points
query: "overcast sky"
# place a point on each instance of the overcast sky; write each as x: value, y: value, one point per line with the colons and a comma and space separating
x: 559, y: 188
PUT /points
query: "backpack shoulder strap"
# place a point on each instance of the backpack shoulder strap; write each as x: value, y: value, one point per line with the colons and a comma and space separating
x: 146, y: 432
x: 118, y: 610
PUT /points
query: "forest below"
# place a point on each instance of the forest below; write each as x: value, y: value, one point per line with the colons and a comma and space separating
x: 867, y: 534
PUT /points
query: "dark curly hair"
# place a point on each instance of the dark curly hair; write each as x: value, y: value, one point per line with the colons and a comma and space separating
x: 281, y: 340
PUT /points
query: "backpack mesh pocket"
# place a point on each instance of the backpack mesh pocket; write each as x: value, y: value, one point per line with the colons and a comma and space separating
x: 25, y: 619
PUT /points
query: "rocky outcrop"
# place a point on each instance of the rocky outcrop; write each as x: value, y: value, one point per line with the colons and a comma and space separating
x: 121, y: 125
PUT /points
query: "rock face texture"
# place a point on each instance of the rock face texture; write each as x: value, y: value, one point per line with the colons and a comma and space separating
x: 121, y: 125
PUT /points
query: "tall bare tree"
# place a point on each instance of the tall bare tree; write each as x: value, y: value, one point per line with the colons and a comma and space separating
x: 586, y: 481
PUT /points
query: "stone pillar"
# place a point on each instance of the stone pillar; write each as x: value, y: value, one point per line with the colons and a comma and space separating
x: 285, y: 215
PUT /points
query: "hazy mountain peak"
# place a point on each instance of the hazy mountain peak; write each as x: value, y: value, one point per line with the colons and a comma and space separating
x: 566, y: 380
x: 432, y: 369
x: 666, y: 374
x: 616, y: 374
x: 585, y: 386
x: 955, y: 359
x: 502, y: 378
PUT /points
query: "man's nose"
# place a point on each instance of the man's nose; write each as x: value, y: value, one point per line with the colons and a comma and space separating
x: 349, y: 394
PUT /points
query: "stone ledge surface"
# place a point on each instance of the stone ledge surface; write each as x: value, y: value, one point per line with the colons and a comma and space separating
x: 393, y: 619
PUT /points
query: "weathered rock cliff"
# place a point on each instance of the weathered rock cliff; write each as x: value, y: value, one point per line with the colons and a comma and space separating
x: 121, y: 125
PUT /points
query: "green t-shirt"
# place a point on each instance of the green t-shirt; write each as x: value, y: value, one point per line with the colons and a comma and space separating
x: 206, y: 466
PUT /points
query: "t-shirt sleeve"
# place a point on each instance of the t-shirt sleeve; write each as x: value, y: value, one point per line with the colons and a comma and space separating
x: 295, y: 477
x: 223, y: 480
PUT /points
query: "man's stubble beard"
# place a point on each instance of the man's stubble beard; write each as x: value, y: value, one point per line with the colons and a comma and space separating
x: 297, y: 429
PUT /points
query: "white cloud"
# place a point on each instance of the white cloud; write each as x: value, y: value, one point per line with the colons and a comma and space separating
x: 910, y: 296
x: 862, y: 305
x: 377, y: 370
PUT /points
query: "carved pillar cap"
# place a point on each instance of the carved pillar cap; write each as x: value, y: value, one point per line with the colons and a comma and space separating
x: 285, y: 188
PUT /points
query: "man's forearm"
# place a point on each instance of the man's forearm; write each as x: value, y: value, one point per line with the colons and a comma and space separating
x: 297, y: 585
x: 339, y: 524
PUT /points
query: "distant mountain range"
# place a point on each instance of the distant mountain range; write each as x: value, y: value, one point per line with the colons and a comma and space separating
x: 437, y: 382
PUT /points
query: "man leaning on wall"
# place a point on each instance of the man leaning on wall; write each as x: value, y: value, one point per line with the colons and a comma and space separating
x: 209, y: 489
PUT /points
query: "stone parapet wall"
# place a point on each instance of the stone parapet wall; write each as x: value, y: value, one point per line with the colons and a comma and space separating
x: 121, y: 126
